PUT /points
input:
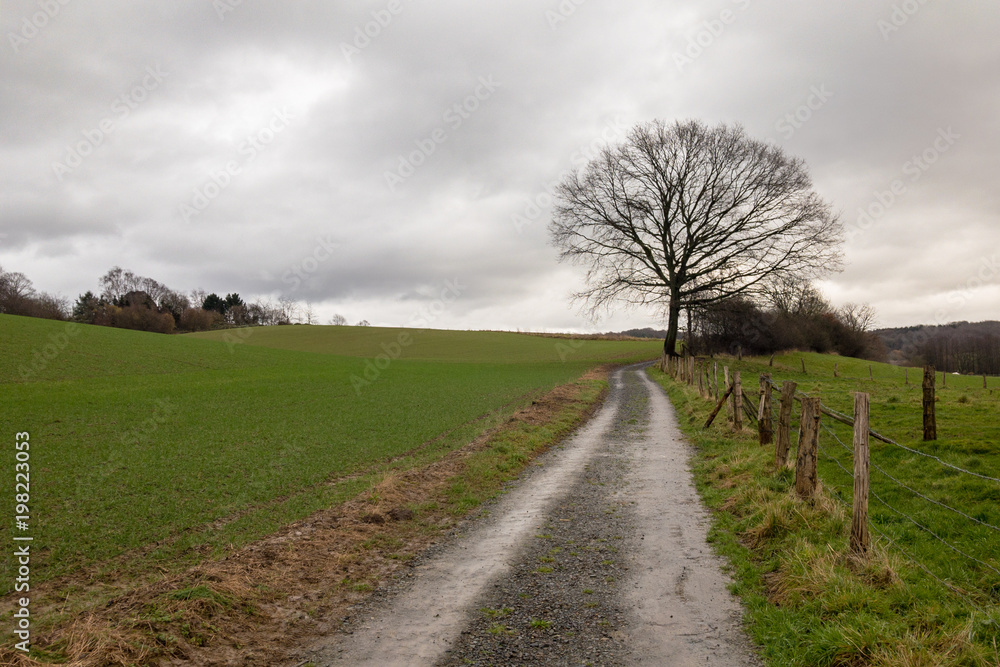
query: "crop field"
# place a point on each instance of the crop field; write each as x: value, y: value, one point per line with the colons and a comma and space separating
x: 431, y: 345
x: 174, y: 447
x: 931, y: 592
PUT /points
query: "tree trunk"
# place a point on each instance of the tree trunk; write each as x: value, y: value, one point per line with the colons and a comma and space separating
x: 673, y: 323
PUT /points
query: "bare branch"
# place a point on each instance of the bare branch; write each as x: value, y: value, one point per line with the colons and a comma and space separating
x: 686, y: 215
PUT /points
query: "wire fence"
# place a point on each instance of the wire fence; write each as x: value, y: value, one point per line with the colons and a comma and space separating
x: 979, y: 588
x: 968, y: 566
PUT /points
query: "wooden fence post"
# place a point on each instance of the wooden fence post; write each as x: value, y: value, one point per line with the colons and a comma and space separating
x: 803, y: 365
x: 701, y: 381
x: 860, y: 537
x: 691, y: 366
x: 944, y: 379
x: 715, y: 368
x: 771, y: 362
x: 784, y: 444
x: 729, y: 406
x: 806, y: 479
x: 765, y: 427
x: 871, y: 374
x: 930, y: 417
x: 836, y: 371
x: 718, y: 406
x: 737, y: 402
x: 907, y: 376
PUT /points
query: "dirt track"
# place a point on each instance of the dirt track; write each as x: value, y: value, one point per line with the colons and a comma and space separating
x: 598, y: 556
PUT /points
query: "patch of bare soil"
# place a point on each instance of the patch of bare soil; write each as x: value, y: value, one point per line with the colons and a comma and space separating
x: 259, y: 603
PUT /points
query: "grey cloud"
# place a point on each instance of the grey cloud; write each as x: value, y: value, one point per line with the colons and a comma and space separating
x: 564, y: 79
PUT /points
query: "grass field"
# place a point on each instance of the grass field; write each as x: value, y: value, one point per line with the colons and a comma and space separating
x: 430, y: 345
x: 178, y: 446
x: 923, y: 599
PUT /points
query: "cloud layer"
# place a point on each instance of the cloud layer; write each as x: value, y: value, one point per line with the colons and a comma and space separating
x: 360, y: 155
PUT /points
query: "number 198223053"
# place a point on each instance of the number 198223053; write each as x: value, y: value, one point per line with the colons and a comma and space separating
x: 22, y: 480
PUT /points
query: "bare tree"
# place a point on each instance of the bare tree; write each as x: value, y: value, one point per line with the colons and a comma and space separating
x: 308, y: 314
x: 15, y: 286
x: 338, y: 320
x: 197, y: 297
x: 796, y: 297
x: 858, y: 317
x: 289, y: 309
x: 685, y: 215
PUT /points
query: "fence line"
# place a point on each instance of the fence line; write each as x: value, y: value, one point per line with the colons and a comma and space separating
x: 752, y: 412
x: 839, y: 416
x: 893, y: 543
x: 912, y: 490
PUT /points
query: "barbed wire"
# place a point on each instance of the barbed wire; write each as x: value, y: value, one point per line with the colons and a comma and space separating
x: 894, y: 544
x: 835, y: 460
x: 752, y: 410
x: 881, y: 470
x: 935, y: 502
x: 932, y: 533
x: 892, y: 442
x: 951, y: 587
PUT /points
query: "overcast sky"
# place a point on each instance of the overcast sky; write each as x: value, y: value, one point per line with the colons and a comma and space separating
x: 369, y: 157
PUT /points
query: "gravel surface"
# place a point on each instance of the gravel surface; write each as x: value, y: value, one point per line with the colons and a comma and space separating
x: 562, y: 603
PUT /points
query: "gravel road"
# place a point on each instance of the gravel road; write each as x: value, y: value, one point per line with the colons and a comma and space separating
x: 597, y: 556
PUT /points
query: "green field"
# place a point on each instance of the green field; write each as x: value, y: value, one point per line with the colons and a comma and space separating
x: 931, y: 594
x: 431, y: 345
x: 175, y: 444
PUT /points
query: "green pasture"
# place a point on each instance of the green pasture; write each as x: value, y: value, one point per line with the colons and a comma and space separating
x: 177, y: 444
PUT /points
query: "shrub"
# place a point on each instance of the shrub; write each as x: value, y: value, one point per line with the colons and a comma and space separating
x: 198, y: 319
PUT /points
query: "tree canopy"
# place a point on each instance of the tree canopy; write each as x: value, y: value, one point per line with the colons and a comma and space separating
x: 683, y: 215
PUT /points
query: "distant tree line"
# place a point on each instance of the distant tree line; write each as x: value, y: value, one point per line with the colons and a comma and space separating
x: 792, y: 316
x: 130, y: 301
x: 959, y: 347
x: 19, y: 297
